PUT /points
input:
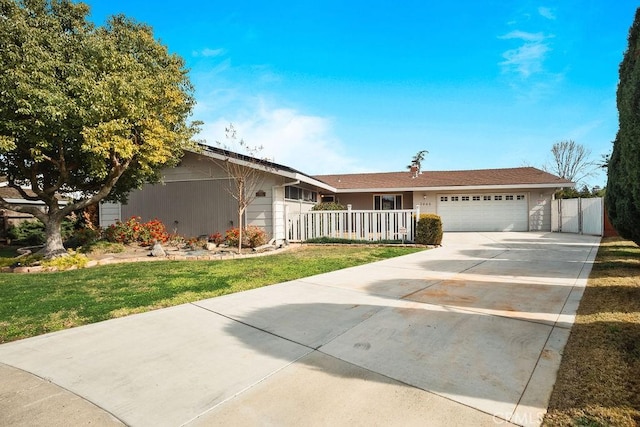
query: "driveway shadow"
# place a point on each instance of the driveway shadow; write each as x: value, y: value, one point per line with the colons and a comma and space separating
x: 484, y: 328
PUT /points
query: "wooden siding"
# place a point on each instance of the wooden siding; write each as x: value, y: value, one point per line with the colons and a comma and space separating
x: 194, y: 167
x: 279, y: 214
x: 260, y: 212
x: 109, y: 213
x: 188, y: 208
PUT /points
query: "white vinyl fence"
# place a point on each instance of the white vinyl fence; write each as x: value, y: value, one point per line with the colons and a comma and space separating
x: 585, y: 216
x: 354, y: 225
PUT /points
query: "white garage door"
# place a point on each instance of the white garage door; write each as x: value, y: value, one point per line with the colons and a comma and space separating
x: 484, y: 212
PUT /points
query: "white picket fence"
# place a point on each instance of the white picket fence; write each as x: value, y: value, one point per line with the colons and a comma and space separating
x: 370, y: 225
x: 584, y: 216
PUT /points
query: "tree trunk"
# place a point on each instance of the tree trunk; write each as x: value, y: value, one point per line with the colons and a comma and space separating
x: 240, y: 231
x: 53, y: 246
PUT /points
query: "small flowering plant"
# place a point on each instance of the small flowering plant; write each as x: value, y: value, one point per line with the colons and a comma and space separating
x: 134, y: 231
x: 216, y: 238
x: 252, y: 237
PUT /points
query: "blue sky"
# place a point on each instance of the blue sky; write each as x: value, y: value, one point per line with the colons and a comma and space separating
x: 333, y: 86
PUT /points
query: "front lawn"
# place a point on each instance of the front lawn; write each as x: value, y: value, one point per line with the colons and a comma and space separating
x: 599, y: 378
x: 34, y: 304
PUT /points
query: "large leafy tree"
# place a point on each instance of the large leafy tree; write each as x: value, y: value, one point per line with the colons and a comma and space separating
x: 87, y: 113
x: 623, y: 184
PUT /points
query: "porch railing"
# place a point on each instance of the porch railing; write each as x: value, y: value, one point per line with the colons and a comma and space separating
x: 351, y: 224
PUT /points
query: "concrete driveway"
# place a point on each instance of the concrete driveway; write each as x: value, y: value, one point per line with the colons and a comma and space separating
x: 467, y: 334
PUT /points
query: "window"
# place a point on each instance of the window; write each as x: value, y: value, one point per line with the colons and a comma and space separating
x: 476, y: 198
x: 327, y: 199
x: 497, y: 197
x: 510, y: 197
x: 444, y: 199
x: 455, y: 198
x: 485, y: 198
x: 465, y: 198
x: 387, y: 202
x: 520, y: 197
x: 297, y: 193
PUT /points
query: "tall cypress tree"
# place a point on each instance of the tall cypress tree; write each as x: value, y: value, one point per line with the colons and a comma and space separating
x: 623, y: 186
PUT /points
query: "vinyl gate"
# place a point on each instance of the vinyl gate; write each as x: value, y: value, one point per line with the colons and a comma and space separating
x: 584, y: 216
x: 354, y: 224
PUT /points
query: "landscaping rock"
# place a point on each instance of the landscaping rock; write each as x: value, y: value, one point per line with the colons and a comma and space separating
x: 157, y: 250
x: 211, y: 246
x: 264, y: 248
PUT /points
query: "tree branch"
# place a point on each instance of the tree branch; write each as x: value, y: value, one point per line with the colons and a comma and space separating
x: 23, y: 193
x: 32, y: 210
x: 114, y: 176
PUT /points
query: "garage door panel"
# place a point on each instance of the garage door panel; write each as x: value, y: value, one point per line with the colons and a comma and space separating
x: 483, y: 212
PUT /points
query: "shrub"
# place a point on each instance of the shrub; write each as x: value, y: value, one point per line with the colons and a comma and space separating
x: 176, y: 240
x: 23, y: 261
x: 216, y: 238
x: 102, y: 247
x: 133, y: 231
x: 27, y: 233
x: 328, y: 206
x: 67, y: 262
x: 429, y: 230
x: 82, y: 237
x: 252, y: 237
x: 32, y: 232
x: 255, y: 236
x: 231, y: 236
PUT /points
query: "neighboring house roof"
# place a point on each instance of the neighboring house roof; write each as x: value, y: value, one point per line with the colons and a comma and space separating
x: 524, y: 177
x: 13, y: 196
x: 221, y: 154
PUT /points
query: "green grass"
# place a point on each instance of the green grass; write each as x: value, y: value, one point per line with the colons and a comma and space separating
x: 34, y: 304
x: 341, y: 241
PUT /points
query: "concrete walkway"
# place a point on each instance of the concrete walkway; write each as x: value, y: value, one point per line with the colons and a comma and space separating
x: 467, y: 334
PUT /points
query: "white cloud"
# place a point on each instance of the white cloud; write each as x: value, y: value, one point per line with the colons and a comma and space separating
x: 210, y: 53
x: 526, y: 60
x: 523, y: 35
x: 546, y: 12
x: 289, y: 137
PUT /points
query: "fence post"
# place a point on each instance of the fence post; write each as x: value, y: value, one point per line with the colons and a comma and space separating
x: 349, y: 221
x: 580, y: 220
x: 415, y: 222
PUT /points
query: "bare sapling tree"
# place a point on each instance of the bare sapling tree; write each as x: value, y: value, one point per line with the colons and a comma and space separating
x: 571, y: 161
x: 246, y: 171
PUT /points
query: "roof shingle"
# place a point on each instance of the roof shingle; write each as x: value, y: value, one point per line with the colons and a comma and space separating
x: 427, y: 179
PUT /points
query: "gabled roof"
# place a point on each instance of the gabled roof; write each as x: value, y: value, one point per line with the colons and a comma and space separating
x: 275, y: 168
x: 524, y: 177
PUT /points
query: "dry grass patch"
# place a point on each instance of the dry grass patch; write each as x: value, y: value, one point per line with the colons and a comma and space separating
x: 599, y: 378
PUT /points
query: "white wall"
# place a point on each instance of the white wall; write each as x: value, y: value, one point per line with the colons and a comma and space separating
x: 426, y: 201
x: 539, y: 204
x: 109, y: 213
x: 540, y: 209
